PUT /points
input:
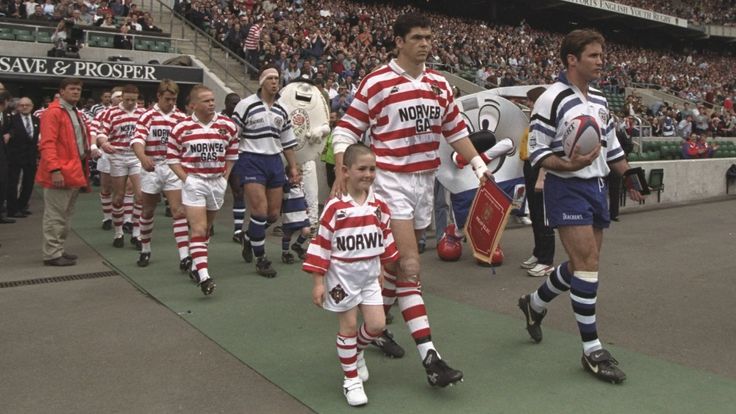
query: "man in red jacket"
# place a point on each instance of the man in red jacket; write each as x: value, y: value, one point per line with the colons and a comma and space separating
x: 62, y: 172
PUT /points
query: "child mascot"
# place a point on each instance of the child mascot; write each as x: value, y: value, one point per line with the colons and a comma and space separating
x: 496, y: 127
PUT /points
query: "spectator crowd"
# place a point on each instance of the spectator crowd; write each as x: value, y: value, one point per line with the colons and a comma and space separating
x: 337, y: 42
x: 717, y: 12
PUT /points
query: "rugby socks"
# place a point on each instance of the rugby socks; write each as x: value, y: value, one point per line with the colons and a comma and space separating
x: 557, y: 282
x: 146, y: 228
x: 181, y: 236
x: 117, y: 219
x: 347, y: 352
x: 412, y: 309
x: 198, y: 248
x: 238, y: 214
x: 389, y: 290
x: 257, y: 235
x: 583, y: 295
x: 128, y: 202
x: 301, y: 239
x: 106, y: 201
x: 285, y: 240
x: 365, y: 337
x: 137, y: 209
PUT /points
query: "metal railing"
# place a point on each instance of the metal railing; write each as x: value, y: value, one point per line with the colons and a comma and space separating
x: 233, y: 66
x: 175, y: 42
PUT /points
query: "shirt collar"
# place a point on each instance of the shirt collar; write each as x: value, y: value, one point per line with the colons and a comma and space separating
x: 195, y: 119
x: 66, y: 105
x: 398, y: 69
x: 562, y: 77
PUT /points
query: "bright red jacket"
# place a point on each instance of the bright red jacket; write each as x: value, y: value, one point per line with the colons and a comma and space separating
x: 58, y: 148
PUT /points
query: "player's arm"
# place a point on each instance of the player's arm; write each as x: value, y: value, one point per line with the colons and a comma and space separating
x: 294, y: 175
x: 620, y: 167
x: 574, y: 163
x: 465, y: 149
x: 228, y: 168
x: 138, y: 143
x: 501, y: 148
x: 318, y: 289
x: 173, y: 155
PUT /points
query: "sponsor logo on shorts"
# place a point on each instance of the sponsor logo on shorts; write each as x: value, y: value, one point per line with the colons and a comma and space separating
x: 566, y: 216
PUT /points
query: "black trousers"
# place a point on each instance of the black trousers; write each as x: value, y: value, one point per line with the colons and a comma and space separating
x: 23, y: 174
x: 544, y: 236
x: 3, y: 178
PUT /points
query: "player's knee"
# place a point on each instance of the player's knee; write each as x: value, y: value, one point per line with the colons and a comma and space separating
x: 349, y: 328
x: 410, y: 266
x: 272, y: 218
x: 178, y: 213
x: 375, y: 326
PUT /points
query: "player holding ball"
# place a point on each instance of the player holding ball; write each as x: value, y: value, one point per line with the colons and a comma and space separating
x: 575, y: 190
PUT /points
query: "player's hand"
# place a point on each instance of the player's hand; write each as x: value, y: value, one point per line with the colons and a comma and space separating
x: 295, y: 177
x: 108, y: 148
x: 57, y: 179
x: 95, y: 153
x: 580, y: 160
x: 147, y: 164
x: 487, y: 175
x: 318, y: 293
x: 635, y: 195
x: 339, y: 187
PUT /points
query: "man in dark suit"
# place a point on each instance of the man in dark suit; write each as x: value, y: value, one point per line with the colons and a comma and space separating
x: 21, y: 142
x: 4, y: 122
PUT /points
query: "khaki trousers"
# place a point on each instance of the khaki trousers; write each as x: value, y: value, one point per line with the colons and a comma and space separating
x: 57, y: 219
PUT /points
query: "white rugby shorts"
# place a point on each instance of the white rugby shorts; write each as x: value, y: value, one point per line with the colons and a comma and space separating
x: 124, y: 164
x: 349, y: 284
x: 204, y: 192
x: 409, y: 196
x: 103, y: 163
x: 161, y: 179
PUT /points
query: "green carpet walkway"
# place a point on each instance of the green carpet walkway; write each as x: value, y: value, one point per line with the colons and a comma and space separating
x: 271, y: 325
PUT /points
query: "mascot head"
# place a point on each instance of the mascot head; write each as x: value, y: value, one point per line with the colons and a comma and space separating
x: 490, y: 118
x: 309, y: 115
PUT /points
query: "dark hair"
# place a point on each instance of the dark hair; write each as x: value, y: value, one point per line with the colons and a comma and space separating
x: 353, y: 152
x: 408, y: 21
x: 130, y: 89
x: 68, y: 82
x: 269, y: 66
x: 574, y: 43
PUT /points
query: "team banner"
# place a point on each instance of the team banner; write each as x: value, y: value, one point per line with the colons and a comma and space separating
x: 487, y: 220
x: 631, y: 11
x: 48, y: 67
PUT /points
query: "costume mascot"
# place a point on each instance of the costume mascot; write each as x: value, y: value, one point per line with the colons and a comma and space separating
x: 496, y: 127
x: 310, y: 119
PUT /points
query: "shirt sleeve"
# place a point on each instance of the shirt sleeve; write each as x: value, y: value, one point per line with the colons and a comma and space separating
x: 390, y: 252
x: 320, y: 249
x: 542, y: 130
x: 142, y: 127
x: 174, y: 147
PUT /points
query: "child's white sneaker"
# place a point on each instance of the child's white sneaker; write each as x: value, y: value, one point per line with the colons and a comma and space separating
x: 352, y: 388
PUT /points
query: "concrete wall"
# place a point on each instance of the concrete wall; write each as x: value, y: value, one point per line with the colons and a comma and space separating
x: 687, y: 181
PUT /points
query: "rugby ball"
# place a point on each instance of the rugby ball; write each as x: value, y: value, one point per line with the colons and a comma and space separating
x: 582, y: 130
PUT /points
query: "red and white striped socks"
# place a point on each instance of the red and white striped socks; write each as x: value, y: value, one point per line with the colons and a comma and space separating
x: 198, y: 249
x: 146, y: 228
x: 181, y: 235
x: 347, y: 352
x: 412, y: 309
x: 106, y: 202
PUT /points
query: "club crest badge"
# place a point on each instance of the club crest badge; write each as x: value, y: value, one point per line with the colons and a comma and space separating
x: 338, y: 294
